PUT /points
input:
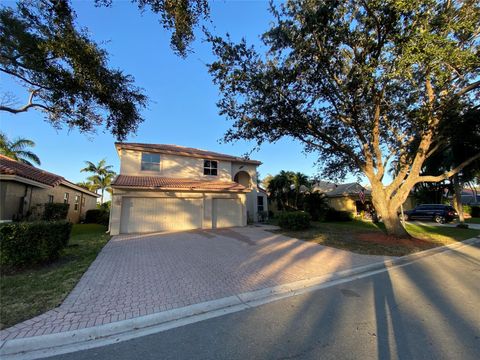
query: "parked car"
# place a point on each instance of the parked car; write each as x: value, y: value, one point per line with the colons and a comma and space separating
x: 435, y: 212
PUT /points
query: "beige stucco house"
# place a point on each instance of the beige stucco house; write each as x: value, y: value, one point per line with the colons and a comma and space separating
x: 170, y: 187
x: 347, y: 197
x: 24, y: 190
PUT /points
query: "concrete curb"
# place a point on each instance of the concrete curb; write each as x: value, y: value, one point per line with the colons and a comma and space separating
x: 71, y: 341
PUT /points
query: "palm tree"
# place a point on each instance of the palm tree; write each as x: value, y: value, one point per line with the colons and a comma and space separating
x: 286, y: 186
x: 17, y: 149
x: 300, y: 181
x: 102, y: 175
x: 102, y: 182
x: 88, y: 185
x: 279, y: 187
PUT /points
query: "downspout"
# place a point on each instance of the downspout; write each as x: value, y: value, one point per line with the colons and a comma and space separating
x: 24, y: 210
x: 110, y: 215
x: 80, y: 207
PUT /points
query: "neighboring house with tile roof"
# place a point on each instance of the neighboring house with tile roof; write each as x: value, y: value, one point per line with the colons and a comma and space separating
x: 24, y: 190
x: 170, y: 187
x: 346, y: 197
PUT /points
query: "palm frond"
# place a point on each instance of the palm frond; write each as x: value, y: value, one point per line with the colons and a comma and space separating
x: 24, y: 155
x: 20, y: 144
x: 17, y: 149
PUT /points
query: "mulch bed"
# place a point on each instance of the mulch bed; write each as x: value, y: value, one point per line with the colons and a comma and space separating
x: 384, y: 239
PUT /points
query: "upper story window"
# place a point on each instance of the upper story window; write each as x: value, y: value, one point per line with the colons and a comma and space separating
x: 65, y: 198
x: 210, y: 167
x: 150, y: 162
x: 50, y: 199
x: 75, y: 204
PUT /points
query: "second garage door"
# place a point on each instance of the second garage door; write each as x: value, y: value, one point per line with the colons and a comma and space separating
x: 227, y: 213
x: 143, y: 215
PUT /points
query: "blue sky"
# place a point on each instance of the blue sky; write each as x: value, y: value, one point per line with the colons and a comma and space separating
x: 182, y: 96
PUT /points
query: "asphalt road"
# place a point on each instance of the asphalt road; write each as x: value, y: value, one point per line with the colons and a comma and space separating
x: 426, y: 310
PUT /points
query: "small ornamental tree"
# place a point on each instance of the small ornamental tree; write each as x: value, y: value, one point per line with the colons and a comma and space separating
x: 365, y: 84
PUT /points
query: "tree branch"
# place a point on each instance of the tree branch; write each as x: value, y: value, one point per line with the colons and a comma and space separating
x: 25, y: 108
x: 447, y: 174
x: 6, y: 71
x: 468, y: 88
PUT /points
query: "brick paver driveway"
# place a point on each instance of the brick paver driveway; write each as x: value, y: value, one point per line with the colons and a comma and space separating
x: 144, y: 274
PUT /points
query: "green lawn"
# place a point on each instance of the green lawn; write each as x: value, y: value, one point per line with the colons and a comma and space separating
x: 473, y: 221
x: 31, y: 292
x: 369, y: 238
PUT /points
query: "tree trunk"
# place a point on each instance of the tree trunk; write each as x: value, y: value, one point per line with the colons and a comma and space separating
x: 388, y: 212
x: 101, y: 198
x: 394, y: 225
x: 457, y: 198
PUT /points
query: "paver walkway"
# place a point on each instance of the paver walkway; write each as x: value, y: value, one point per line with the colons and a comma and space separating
x: 138, y: 275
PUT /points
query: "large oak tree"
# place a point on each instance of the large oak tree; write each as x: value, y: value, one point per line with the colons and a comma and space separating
x: 358, y: 82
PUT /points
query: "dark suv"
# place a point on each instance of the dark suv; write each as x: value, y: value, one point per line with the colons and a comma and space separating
x: 436, y: 212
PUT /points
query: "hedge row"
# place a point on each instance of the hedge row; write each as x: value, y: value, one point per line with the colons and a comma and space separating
x: 336, y: 215
x: 97, y: 216
x: 297, y: 220
x: 31, y: 243
x: 55, y: 211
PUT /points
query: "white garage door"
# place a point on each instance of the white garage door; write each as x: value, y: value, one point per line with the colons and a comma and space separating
x: 227, y: 213
x: 143, y: 215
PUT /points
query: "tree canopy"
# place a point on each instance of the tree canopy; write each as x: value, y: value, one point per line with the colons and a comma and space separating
x: 64, y: 71
x: 459, y: 140
x: 358, y: 82
x: 66, y: 74
x: 178, y: 16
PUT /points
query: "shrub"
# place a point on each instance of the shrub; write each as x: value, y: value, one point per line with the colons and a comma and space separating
x: 97, y: 216
x: 467, y: 209
x: 297, y: 220
x: 336, y: 215
x: 105, y: 206
x: 55, y: 211
x: 475, y: 211
x: 30, y: 243
x: 315, y: 204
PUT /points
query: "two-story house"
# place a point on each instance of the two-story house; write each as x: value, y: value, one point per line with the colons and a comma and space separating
x: 169, y: 187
